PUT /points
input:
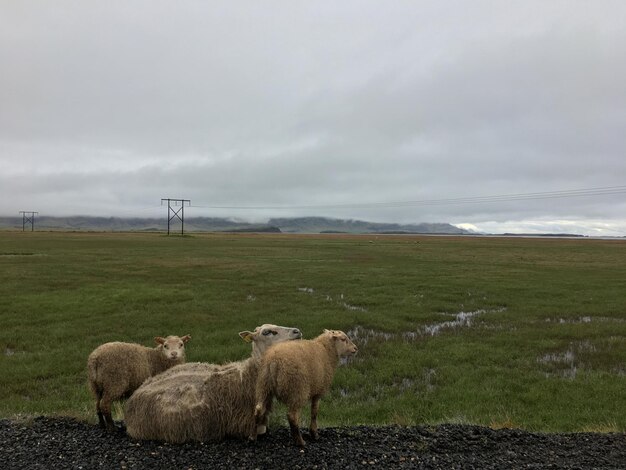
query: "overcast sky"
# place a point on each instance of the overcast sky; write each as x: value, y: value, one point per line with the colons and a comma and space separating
x: 390, y: 111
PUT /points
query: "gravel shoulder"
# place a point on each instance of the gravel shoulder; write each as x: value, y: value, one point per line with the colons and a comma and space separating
x: 61, y: 443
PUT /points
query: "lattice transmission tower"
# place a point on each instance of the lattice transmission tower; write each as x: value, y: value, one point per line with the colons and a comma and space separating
x: 176, y: 209
x: 28, y: 219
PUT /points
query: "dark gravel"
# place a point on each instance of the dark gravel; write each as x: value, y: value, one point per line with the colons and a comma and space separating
x: 58, y: 443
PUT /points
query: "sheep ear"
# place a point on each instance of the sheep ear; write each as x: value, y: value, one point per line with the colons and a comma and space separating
x: 159, y: 340
x: 247, y: 336
x: 326, y: 331
x: 337, y: 334
x: 186, y: 338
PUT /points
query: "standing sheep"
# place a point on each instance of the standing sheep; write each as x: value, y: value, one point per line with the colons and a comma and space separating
x: 117, y: 369
x: 296, y: 373
x: 203, y: 402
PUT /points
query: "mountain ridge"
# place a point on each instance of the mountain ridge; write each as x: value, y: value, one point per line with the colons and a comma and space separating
x: 216, y: 224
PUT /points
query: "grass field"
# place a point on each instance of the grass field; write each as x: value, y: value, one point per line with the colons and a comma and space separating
x: 501, y: 332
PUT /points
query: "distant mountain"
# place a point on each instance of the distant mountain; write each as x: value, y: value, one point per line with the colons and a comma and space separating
x: 119, y: 224
x: 214, y: 224
x: 323, y: 224
x: 86, y: 223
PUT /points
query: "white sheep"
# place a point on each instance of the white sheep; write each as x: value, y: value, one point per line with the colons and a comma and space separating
x: 116, y: 370
x: 203, y: 402
x: 296, y: 373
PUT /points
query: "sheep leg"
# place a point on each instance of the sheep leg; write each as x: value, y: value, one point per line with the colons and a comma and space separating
x: 105, y: 410
x: 315, y: 407
x: 261, y: 417
x: 263, y: 421
x: 110, y: 424
x: 293, y: 416
x: 101, y: 421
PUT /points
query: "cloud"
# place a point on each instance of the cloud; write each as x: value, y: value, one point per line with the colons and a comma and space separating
x: 110, y: 107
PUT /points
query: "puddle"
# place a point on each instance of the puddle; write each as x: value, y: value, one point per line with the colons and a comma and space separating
x: 354, y: 307
x: 566, y: 363
x: 584, y: 319
x: 461, y: 320
x: 13, y: 254
x: 422, y: 384
x: 340, y: 300
x: 558, y: 358
x: 364, y: 335
x: 569, y: 320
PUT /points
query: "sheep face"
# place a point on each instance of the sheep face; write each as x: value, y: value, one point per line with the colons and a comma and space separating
x: 172, y: 347
x: 266, y: 335
x: 344, y: 346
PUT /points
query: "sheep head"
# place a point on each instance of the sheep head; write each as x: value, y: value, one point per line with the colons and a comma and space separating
x: 343, y: 345
x: 172, y: 347
x: 267, y: 335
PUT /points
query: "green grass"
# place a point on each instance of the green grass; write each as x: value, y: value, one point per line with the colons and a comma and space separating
x: 546, y: 352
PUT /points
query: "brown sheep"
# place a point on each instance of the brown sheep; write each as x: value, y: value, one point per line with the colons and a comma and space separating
x: 296, y: 373
x: 117, y: 369
x: 202, y: 402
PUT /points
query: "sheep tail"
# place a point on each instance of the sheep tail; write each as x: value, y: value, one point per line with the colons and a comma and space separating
x: 95, y: 383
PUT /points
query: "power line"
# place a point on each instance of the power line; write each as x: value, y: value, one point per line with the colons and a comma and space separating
x: 588, y: 192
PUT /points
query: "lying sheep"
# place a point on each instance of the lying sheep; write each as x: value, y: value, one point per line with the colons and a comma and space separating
x: 203, y: 402
x: 269, y: 335
x: 296, y: 373
x: 117, y: 369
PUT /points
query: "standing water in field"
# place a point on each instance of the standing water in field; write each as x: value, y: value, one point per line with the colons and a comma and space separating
x: 461, y: 319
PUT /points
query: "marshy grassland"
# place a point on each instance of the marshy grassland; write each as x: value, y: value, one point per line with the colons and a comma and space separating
x: 502, y: 332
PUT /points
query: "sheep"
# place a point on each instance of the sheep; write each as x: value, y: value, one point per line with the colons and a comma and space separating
x: 117, y: 369
x: 203, y: 402
x: 297, y: 373
x: 270, y: 334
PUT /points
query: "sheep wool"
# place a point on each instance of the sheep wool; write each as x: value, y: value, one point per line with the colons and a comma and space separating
x: 296, y: 373
x: 115, y: 370
x: 202, y: 402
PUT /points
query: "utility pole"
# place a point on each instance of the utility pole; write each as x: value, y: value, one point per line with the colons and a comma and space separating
x: 28, y: 219
x: 179, y: 213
